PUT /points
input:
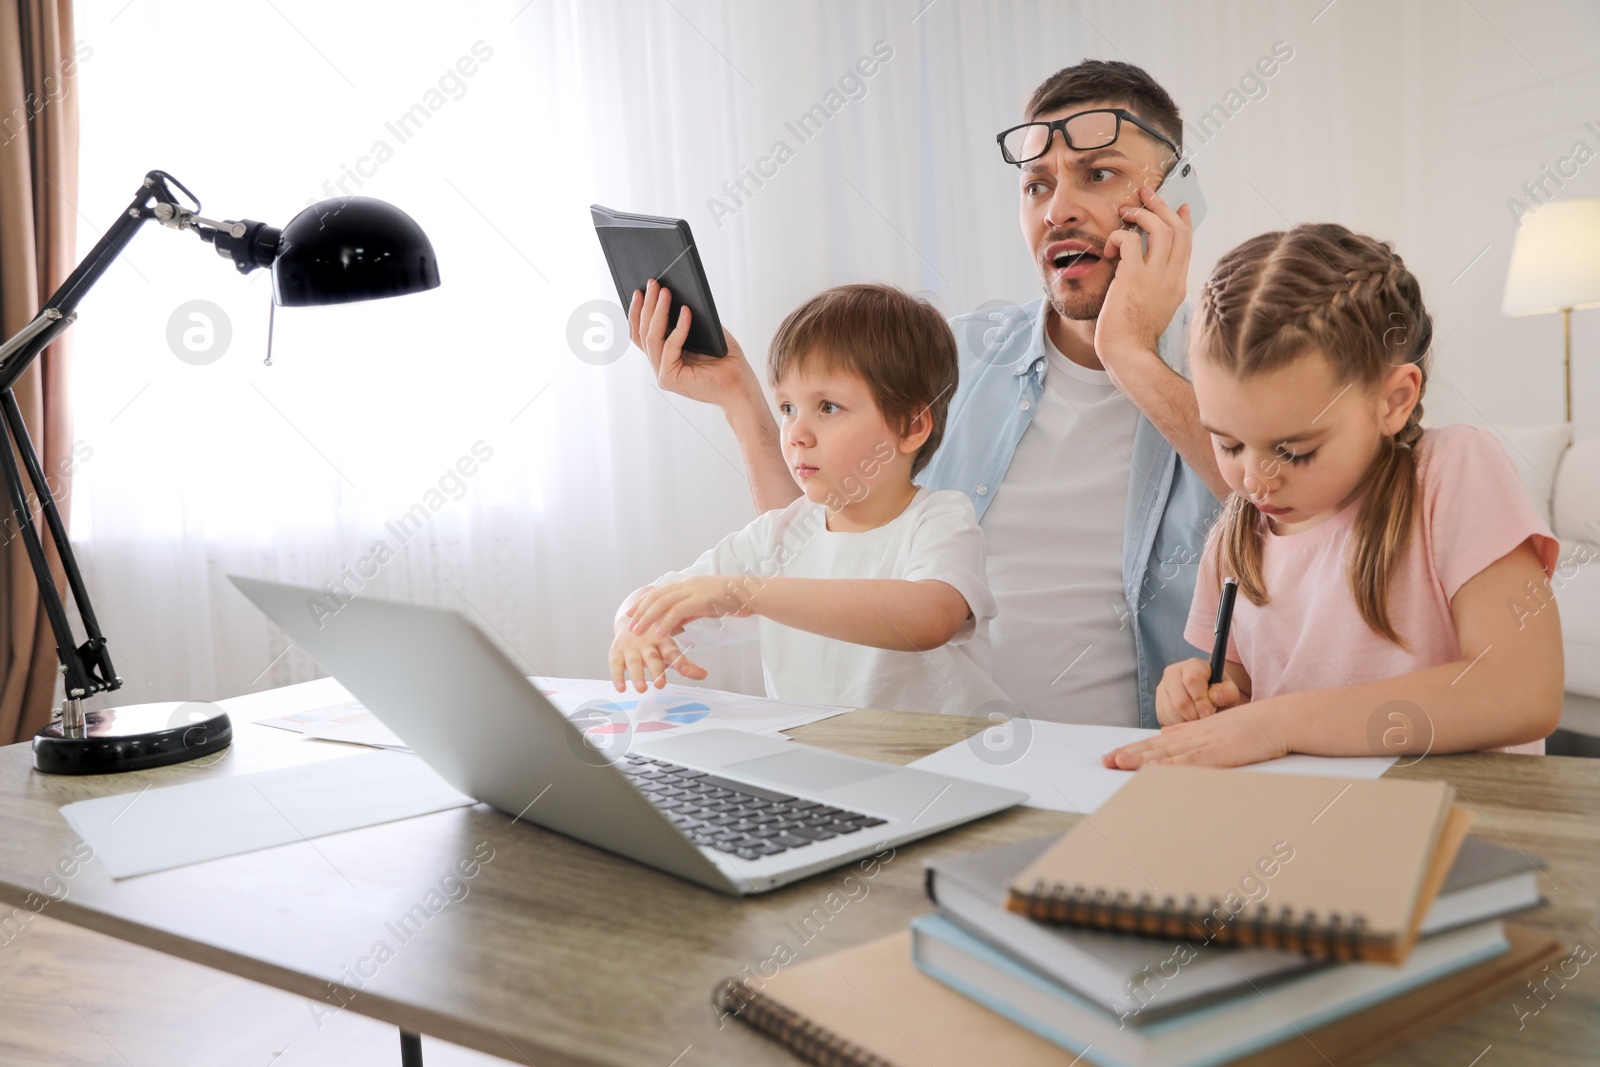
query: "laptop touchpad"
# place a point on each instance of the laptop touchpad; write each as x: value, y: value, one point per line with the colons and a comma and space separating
x: 808, y: 770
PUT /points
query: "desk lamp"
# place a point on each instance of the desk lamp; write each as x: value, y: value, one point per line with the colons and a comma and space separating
x: 334, y: 252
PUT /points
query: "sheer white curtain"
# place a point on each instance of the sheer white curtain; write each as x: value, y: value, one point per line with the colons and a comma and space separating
x: 314, y: 469
x: 496, y: 125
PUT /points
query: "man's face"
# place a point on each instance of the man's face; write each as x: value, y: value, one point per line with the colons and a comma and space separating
x: 1070, y: 202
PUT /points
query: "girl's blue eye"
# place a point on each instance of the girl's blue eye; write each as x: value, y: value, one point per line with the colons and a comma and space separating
x: 829, y: 407
x: 786, y: 409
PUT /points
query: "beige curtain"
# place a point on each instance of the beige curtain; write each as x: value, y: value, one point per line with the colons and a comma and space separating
x: 38, y: 236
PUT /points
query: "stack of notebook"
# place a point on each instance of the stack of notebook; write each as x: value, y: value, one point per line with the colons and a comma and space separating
x: 1198, y: 917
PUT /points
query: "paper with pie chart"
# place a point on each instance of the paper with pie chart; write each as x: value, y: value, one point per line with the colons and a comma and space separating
x: 609, y: 720
x: 600, y: 711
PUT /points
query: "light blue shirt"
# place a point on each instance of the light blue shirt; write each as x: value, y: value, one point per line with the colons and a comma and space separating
x: 1169, y: 508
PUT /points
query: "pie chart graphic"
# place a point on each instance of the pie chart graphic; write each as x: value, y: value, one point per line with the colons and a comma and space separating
x: 684, y: 714
x: 610, y: 717
x: 613, y: 717
x: 651, y: 726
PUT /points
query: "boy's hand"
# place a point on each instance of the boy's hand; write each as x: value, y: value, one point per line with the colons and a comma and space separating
x: 664, y: 610
x: 704, y: 378
x: 1185, y: 693
x: 647, y: 659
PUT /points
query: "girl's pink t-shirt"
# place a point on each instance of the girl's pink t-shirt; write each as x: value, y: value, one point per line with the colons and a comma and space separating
x: 1310, y: 634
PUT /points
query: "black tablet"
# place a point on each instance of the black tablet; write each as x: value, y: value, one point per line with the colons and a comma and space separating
x: 641, y: 247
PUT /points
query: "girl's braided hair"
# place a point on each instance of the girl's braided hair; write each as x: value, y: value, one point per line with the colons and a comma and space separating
x: 1321, y: 288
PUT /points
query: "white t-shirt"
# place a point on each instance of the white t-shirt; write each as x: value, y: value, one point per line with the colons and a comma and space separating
x: 936, y: 537
x: 1063, y: 649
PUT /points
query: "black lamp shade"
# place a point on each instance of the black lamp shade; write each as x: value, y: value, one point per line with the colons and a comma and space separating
x: 351, y: 248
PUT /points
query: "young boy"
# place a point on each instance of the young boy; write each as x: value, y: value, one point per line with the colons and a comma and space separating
x: 868, y: 591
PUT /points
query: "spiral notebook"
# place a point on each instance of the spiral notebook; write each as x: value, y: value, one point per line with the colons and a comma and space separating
x: 1335, y: 868
x: 869, y: 1006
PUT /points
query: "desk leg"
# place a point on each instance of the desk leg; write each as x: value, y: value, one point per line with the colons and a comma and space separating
x: 410, y: 1049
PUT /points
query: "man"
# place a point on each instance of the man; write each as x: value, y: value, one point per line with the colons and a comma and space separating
x: 1072, y: 429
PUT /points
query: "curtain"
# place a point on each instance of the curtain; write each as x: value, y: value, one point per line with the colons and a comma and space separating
x: 38, y: 234
x: 496, y: 125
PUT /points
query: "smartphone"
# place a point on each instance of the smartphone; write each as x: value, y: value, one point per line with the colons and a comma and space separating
x: 1180, y: 187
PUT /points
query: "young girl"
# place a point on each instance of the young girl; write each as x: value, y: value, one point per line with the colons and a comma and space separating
x: 1393, y: 581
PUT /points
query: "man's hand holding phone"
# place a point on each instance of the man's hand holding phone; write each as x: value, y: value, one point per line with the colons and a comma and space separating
x: 704, y: 378
x: 1149, y: 284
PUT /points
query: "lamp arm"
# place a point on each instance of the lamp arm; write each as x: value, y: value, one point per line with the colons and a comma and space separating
x: 248, y: 244
x: 87, y: 669
x: 61, y: 309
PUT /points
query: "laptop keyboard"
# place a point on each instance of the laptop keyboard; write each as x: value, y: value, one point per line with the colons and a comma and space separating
x: 742, y: 820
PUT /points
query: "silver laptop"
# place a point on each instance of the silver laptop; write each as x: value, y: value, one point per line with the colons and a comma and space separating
x: 731, y: 810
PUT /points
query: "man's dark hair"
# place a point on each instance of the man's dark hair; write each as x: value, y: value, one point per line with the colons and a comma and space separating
x: 1108, y: 81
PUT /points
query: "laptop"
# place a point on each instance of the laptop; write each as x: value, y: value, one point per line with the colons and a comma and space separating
x: 733, y: 811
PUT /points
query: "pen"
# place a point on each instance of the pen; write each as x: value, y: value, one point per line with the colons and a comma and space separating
x: 1219, y: 651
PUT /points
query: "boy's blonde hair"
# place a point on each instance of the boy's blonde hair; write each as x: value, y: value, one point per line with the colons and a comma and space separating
x: 1320, y: 287
x: 897, y: 343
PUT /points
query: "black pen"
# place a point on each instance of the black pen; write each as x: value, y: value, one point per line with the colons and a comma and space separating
x: 1219, y: 651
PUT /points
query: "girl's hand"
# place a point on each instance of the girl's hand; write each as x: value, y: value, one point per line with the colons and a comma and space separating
x: 1185, y: 693
x: 647, y: 659
x: 663, y: 611
x: 1247, y: 734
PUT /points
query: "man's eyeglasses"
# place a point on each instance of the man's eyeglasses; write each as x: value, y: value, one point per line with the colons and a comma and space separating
x: 1082, y: 132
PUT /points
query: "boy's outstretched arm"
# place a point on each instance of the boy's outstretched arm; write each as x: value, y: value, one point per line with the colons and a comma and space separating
x: 888, y: 613
x: 729, y: 382
x: 1505, y: 690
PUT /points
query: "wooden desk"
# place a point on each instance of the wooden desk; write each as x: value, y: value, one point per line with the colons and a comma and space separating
x: 562, y: 954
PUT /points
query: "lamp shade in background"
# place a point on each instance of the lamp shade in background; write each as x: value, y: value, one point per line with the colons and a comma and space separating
x: 1555, y: 263
x: 1555, y: 266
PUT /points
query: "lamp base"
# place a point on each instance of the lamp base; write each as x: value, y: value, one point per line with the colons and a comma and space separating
x: 133, y: 738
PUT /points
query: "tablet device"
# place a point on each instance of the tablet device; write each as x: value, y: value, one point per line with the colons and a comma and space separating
x: 641, y: 247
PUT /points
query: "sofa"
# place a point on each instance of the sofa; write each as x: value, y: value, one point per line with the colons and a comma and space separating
x: 1564, y: 483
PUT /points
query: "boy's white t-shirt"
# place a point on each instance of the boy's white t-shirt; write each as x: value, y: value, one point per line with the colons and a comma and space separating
x: 935, y: 538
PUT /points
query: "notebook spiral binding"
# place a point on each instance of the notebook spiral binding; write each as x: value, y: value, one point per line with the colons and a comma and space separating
x: 1334, y: 936
x: 815, y: 1044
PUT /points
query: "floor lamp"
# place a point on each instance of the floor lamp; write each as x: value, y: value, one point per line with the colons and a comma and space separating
x: 1555, y: 266
x: 334, y: 252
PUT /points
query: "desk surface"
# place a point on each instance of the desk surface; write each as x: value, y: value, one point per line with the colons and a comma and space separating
x: 562, y: 954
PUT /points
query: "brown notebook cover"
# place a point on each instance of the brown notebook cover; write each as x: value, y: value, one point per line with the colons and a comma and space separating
x: 870, y: 1007
x: 1332, y: 867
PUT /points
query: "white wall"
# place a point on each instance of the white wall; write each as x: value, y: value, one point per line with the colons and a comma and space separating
x: 1413, y: 122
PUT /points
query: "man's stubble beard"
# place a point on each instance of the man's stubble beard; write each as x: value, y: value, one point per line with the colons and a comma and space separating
x: 1078, y: 303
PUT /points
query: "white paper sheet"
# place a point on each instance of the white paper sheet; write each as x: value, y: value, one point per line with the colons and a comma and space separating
x: 348, y: 721
x: 140, y: 832
x: 1058, y: 765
